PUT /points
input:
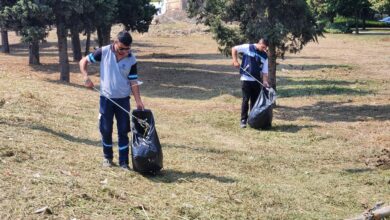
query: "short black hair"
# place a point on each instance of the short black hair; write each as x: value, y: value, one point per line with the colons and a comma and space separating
x: 125, y: 38
x: 264, y: 41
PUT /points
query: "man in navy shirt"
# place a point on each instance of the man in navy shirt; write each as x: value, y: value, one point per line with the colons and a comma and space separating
x: 254, y: 62
x: 118, y: 78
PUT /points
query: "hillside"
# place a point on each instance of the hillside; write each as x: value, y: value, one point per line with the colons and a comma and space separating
x: 321, y: 160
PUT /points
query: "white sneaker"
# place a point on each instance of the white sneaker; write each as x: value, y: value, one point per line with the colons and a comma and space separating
x: 107, y: 163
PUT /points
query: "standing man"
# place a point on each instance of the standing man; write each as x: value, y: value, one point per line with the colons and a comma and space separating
x: 118, y: 75
x: 255, y: 62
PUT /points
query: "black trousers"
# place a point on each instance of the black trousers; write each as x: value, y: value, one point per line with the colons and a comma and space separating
x: 250, y: 92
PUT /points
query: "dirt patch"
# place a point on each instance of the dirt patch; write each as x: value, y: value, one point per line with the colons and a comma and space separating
x: 380, y: 160
x: 176, y: 23
x: 386, y: 39
x: 174, y: 17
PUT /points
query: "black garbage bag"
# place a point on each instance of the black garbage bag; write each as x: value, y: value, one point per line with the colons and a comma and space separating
x: 146, y: 149
x: 260, y: 116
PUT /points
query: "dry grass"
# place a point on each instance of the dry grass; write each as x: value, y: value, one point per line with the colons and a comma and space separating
x: 333, y: 117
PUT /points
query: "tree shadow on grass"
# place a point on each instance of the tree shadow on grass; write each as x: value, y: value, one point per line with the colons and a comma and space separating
x: 46, y: 49
x: 309, y: 81
x: 208, y: 56
x: 303, y: 57
x: 357, y: 170
x: 336, y: 111
x: 170, y: 79
x: 52, y: 132
x: 173, y: 176
x: 66, y: 136
x: 188, y: 81
x: 290, y: 128
x: 311, y: 67
x: 206, y: 150
x: 325, y: 90
x: 307, y: 86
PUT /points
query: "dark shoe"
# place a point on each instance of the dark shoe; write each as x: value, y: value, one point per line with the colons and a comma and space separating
x: 108, y: 162
x: 243, y: 124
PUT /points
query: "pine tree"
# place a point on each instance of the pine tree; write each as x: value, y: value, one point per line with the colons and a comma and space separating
x: 287, y: 25
x: 31, y: 19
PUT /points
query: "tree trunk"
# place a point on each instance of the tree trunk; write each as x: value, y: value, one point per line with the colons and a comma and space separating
x: 272, y: 65
x: 357, y: 23
x: 4, y: 42
x: 33, y: 53
x: 100, y: 36
x: 87, y: 43
x: 63, y: 49
x: 107, y: 35
x: 364, y: 22
x: 104, y: 33
x: 76, y: 46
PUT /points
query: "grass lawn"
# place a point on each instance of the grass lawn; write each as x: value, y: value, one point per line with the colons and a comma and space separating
x: 319, y: 161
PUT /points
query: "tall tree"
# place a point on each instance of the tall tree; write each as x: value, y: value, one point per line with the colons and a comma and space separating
x: 75, y: 25
x: 288, y: 25
x: 135, y: 15
x: 351, y: 8
x: 31, y: 19
x: 106, y: 11
x: 382, y: 6
x: 322, y: 9
x: 63, y: 11
x: 5, y: 25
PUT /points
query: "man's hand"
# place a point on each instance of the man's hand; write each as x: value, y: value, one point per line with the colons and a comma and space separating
x: 88, y: 83
x: 266, y: 84
x: 236, y: 63
x: 140, y: 105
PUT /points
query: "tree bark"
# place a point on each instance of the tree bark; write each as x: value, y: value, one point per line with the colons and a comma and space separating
x: 100, y: 36
x: 272, y: 65
x: 33, y: 53
x: 357, y: 23
x: 104, y: 33
x: 364, y: 23
x: 63, y: 49
x: 4, y: 42
x: 87, y: 43
x: 76, y: 46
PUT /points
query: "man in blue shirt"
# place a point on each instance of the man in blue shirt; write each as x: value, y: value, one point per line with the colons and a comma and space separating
x: 118, y: 78
x: 254, y: 62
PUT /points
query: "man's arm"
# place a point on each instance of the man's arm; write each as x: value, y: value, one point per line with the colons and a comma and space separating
x: 136, y: 94
x: 265, y: 80
x: 234, y: 57
x: 84, y: 72
x: 265, y: 73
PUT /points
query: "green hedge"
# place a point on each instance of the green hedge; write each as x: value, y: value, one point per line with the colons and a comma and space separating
x: 351, y: 22
x: 346, y: 25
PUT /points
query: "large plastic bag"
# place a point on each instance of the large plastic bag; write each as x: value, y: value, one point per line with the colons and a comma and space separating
x: 260, y: 116
x: 146, y: 149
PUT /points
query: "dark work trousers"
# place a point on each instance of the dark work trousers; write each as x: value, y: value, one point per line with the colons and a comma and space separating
x: 107, y: 112
x: 250, y: 92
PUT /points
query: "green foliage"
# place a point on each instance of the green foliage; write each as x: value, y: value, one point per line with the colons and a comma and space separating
x: 323, y: 9
x: 350, y: 7
x: 104, y: 12
x: 288, y: 25
x: 382, y: 6
x: 5, y: 22
x: 30, y: 18
x: 136, y: 14
x: 345, y: 25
